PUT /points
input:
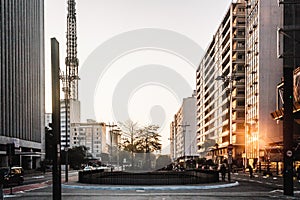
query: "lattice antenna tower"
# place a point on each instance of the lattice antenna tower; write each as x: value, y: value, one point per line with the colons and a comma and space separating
x: 71, y: 76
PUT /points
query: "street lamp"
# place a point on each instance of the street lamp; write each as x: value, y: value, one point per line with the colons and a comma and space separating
x: 229, y: 80
x: 110, y: 134
x: 183, y: 131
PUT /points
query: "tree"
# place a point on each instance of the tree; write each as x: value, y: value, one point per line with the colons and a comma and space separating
x: 140, y: 140
x: 77, y: 156
x: 148, y: 141
x: 129, y: 129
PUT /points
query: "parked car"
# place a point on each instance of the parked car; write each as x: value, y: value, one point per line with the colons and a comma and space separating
x: 12, y: 176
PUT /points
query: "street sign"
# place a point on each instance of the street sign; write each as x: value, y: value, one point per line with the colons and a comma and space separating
x: 289, y: 153
x: 229, y: 152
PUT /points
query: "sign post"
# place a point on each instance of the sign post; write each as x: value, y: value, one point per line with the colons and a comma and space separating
x: 229, y: 151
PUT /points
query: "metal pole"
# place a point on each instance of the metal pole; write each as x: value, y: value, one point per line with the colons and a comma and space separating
x: 110, y: 158
x: 56, y: 173
x: 230, y: 130
x: 184, y: 164
x: 183, y: 132
x: 66, y: 134
x: 288, y: 121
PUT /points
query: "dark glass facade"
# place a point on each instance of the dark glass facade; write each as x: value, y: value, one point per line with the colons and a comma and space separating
x: 22, y: 73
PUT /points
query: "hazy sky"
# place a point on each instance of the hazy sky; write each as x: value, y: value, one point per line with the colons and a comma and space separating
x: 100, y: 22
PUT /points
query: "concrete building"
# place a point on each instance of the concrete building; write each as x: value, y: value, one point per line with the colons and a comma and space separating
x: 90, y: 134
x: 73, y: 117
x: 263, y: 71
x: 224, y: 59
x: 22, y: 78
x: 183, y: 131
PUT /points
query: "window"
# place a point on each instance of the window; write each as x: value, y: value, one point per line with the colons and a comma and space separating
x: 241, y: 103
x: 240, y: 114
x: 241, y: 44
x: 240, y: 56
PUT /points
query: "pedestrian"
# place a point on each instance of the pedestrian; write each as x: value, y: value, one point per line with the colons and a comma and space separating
x: 250, y: 171
x: 223, y: 171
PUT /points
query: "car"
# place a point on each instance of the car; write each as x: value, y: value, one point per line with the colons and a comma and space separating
x: 12, y: 176
x: 88, y: 168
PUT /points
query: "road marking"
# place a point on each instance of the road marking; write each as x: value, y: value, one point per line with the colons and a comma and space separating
x: 37, y: 177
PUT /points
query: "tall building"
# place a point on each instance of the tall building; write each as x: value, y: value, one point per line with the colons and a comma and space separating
x: 22, y: 80
x: 90, y: 134
x: 263, y: 71
x: 70, y: 106
x: 183, y: 131
x: 221, y: 90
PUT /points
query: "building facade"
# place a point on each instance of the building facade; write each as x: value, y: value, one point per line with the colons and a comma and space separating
x: 73, y: 109
x: 22, y: 80
x: 183, y: 131
x: 90, y: 134
x: 263, y: 71
x: 221, y: 90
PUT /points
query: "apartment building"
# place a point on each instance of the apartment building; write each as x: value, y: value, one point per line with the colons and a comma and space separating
x: 90, y: 134
x: 263, y: 71
x: 73, y: 110
x: 221, y: 90
x: 183, y: 131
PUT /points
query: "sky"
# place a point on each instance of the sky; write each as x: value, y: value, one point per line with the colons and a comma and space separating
x: 137, y: 58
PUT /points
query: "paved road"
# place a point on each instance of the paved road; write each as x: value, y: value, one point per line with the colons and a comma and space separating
x: 245, y: 188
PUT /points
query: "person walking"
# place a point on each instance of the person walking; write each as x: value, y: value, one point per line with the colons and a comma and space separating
x: 250, y: 171
x: 223, y: 171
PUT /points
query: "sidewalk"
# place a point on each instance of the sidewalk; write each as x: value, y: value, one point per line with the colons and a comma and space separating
x: 275, y: 180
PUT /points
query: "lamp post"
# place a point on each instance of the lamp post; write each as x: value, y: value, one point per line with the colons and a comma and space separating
x: 183, y: 131
x: 117, y: 133
x: 229, y: 80
x: 110, y: 134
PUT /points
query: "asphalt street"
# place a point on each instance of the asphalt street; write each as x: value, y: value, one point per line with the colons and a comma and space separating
x: 241, y: 187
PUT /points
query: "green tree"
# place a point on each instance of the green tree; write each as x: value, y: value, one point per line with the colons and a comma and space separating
x: 77, y: 156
